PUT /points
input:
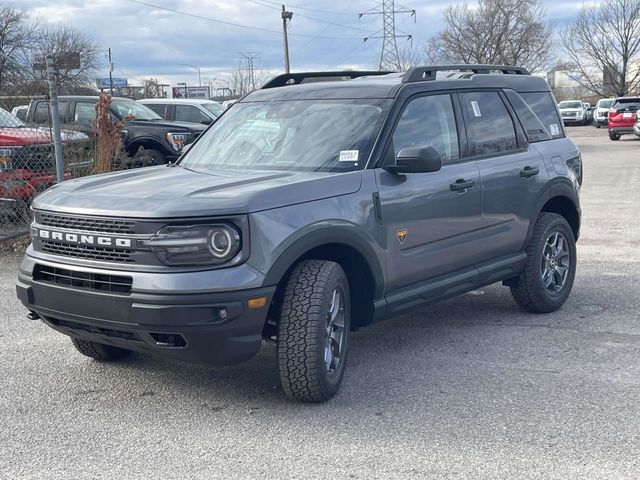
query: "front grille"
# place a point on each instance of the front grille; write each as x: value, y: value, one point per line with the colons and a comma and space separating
x: 81, y: 327
x: 84, y: 280
x: 87, y: 252
x: 89, y: 224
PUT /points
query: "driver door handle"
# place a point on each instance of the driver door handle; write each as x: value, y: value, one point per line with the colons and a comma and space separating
x: 528, y: 171
x: 461, y: 185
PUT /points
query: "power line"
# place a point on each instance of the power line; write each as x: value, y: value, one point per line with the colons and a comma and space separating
x: 311, y: 9
x: 310, y: 18
x: 224, y: 22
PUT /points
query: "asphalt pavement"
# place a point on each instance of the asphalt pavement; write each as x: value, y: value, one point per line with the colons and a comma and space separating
x: 471, y: 388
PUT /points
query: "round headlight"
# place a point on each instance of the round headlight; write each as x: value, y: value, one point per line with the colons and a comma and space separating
x: 224, y: 242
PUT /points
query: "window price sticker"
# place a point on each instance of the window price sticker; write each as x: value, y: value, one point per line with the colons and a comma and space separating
x: 555, y: 129
x: 349, y: 155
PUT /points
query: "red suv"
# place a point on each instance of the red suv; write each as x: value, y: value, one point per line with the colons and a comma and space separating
x: 622, y: 116
x: 26, y: 163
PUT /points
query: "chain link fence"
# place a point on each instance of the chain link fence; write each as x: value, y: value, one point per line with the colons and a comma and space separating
x: 27, y: 156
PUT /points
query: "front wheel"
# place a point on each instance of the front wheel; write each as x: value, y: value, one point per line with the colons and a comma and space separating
x: 548, y: 276
x: 313, y: 331
x: 614, y: 136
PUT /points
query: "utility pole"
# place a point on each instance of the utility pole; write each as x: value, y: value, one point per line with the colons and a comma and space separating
x: 286, y: 16
x: 389, y: 56
x: 110, y: 73
x: 197, y: 69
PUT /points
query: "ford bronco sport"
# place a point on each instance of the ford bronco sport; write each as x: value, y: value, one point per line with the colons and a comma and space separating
x: 312, y: 208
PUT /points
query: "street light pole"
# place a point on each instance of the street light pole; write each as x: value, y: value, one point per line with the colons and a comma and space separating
x: 286, y: 16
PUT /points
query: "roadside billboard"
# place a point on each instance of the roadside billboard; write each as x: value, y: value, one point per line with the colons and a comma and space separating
x: 191, y: 92
x: 103, y: 83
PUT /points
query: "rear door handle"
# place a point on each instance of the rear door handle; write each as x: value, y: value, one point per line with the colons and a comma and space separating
x: 461, y: 184
x: 527, y: 172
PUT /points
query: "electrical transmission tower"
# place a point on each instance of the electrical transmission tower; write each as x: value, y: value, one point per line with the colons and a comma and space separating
x: 249, y: 66
x: 389, y: 56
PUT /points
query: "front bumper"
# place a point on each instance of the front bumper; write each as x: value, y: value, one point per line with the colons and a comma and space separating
x: 216, y: 328
x: 573, y: 120
x: 602, y: 121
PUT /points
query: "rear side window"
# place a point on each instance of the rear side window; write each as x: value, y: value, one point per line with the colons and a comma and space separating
x: 157, y: 107
x: 533, y: 127
x: 544, y: 106
x: 41, y: 113
x: 490, y: 128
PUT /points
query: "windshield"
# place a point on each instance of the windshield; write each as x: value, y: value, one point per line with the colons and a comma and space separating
x: 605, y: 103
x: 8, y: 120
x: 214, y: 108
x: 570, y: 104
x: 129, y: 108
x: 311, y: 135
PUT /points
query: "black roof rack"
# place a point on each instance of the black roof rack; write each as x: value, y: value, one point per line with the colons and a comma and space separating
x: 420, y: 74
x: 296, y: 78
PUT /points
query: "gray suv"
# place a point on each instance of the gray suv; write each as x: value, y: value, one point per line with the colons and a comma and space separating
x: 312, y: 208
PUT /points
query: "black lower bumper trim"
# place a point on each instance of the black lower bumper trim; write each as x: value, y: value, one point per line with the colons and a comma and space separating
x: 208, y: 328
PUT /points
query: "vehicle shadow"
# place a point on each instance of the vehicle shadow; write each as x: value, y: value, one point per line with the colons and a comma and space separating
x: 429, y: 347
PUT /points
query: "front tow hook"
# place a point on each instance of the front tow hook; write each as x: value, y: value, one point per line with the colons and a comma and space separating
x: 33, y: 315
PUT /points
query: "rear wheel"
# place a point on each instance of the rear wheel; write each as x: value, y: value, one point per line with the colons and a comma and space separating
x: 548, y: 276
x: 99, y: 351
x: 614, y: 136
x: 313, y: 331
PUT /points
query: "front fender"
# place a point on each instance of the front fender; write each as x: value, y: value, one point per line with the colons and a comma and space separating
x: 319, y: 234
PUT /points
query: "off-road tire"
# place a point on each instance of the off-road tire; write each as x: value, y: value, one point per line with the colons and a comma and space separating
x: 302, y: 323
x: 99, y: 351
x: 150, y: 156
x: 614, y: 136
x: 529, y: 290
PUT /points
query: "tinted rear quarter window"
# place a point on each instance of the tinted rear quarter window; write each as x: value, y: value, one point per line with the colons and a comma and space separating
x: 533, y: 126
x: 490, y: 128
x: 544, y: 106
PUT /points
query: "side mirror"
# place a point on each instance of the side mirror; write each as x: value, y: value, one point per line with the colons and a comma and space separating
x: 206, y: 122
x: 416, y: 160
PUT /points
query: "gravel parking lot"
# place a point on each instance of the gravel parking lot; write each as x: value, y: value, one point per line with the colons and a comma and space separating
x: 469, y: 388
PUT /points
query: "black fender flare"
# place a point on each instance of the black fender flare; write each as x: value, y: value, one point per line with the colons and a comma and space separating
x: 558, y: 187
x: 134, y: 145
x: 323, y: 236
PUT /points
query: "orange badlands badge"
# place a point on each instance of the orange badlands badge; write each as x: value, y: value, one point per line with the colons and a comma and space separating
x: 402, y: 235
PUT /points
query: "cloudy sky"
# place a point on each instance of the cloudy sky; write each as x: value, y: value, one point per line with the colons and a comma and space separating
x: 150, y: 38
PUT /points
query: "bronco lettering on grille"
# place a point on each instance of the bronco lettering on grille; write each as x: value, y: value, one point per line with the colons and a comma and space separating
x: 78, y: 239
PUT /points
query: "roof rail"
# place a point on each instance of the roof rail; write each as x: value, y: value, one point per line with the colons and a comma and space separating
x: 297, y: 78
x: 420, y: 74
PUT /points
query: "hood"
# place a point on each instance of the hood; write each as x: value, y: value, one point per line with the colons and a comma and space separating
x: 175, y: 192
x: 17, y: 137
x: 179, y: 126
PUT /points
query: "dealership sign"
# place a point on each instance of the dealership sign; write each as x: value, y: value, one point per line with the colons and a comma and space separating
x: 201, y: 93
x: 103, y: 83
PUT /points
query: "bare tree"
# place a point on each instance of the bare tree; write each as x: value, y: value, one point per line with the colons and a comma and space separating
x: 17, y: 36
x: 604, y: 46
x: 409, y: 57
x: 60, y: 41
x: 509, y: 32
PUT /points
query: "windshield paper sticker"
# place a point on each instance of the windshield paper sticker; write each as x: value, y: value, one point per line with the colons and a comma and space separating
x: 555, y: 130
x: 476, y: 108
x: 349, y: 155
